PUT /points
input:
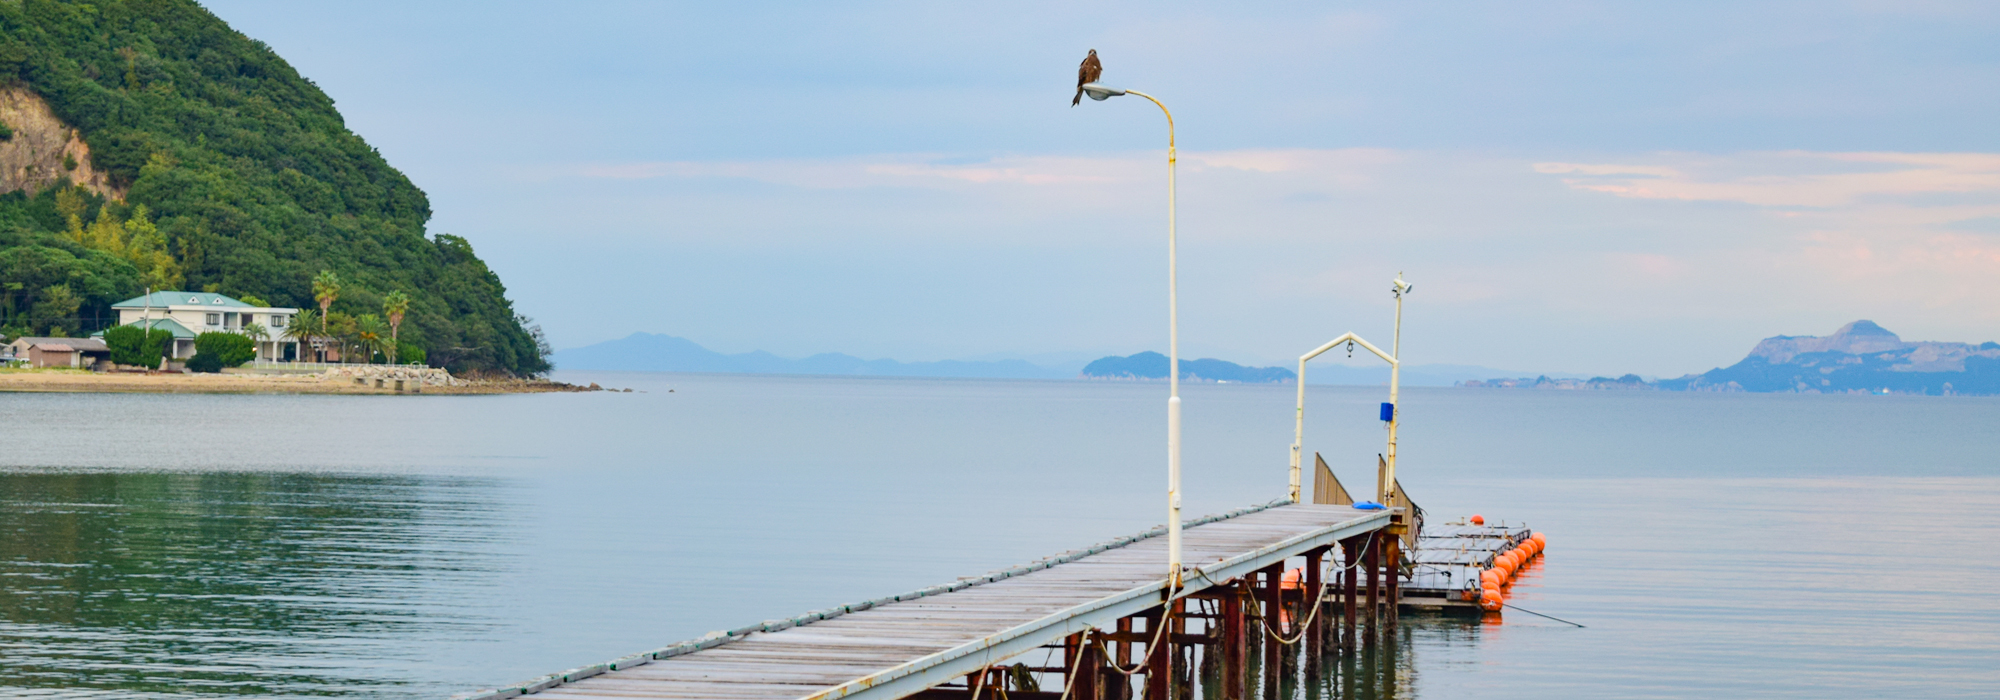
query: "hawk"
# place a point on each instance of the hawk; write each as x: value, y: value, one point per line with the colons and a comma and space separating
x: 1085, y: 74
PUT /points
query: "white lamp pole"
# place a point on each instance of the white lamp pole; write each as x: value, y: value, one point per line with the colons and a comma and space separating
x: 1101, y: 93
x: 1388, y: 485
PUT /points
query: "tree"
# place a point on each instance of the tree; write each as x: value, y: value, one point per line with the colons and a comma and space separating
x: 137, y: 346
x: 341, y: 333
x: 371, y: 337
x: 256, y: 332
x: 227, y: 349
x: 58, y: 304
x: 394, y: 305
x: 326, y: 288
x: 303, y: 329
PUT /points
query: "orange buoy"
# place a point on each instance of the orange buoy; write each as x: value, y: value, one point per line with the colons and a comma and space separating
x: 1478, y: 519
x: 1490, y: 586
x: 1489, y: 576
x: 1540, y: 539
x: 1292, y: 580
x: 1489, y: 601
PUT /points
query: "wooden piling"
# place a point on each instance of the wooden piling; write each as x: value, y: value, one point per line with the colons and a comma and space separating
x: 1351, y: 550
x: 1370, y: 556
x: 1159, y: 663
x: 1311, y: 609
x: 1391, y: 570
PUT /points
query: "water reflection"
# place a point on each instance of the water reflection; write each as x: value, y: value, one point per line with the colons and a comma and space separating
x: 209, y: 584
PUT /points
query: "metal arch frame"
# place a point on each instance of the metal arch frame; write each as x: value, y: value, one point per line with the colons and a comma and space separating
x: 956, y: 662
x: 1299, y: 424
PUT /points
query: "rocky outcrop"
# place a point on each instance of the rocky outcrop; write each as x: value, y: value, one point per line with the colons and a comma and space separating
x: 427, y: 376
x: 43, y: 151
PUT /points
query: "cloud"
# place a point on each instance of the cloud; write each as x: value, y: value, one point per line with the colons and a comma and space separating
x: 1793, y: 178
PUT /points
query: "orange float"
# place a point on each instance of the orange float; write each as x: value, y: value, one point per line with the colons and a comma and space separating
x: 1477, y: 519
x: 1489, y: 601
x: 1292, y: 580
x: 1540, y: 539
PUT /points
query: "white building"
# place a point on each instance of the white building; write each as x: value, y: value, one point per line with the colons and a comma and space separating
x: 187, y: 314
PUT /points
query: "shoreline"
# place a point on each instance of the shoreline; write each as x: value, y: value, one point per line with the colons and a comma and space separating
x: 86, y: 382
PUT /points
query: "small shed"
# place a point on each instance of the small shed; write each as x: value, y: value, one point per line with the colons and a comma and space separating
x: 60, y: 352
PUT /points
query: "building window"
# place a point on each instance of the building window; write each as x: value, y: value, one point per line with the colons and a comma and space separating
x: 215, y: 319
x: 277, y: 321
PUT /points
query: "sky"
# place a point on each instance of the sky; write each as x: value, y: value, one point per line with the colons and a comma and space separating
x: 1595, y: 188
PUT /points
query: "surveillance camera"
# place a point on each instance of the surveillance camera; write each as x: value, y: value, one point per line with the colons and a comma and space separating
x: 1401, y: 286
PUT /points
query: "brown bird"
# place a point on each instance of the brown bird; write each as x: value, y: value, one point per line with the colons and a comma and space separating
x: 1085, y: 74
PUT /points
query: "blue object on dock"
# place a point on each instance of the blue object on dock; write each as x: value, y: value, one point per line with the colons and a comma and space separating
x: 1369, y: 505
x: 1388, y: 412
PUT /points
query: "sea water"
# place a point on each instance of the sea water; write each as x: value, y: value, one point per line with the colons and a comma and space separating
x: 410, y: 546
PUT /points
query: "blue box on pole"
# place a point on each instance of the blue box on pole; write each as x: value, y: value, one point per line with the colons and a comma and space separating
x: 1388, y: 412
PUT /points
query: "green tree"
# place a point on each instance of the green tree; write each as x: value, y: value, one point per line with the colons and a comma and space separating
x: 256, y: 332
x: 341, y: 334
x: 326, y: 288
x: 371, y: 336
x: 57, y: 306
x: 227, y: 349
x: 133, y: 345
x: 304, y: 329
x: 394, y: 305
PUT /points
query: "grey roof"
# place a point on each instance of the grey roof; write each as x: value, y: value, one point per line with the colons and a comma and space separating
x: 84, y: 344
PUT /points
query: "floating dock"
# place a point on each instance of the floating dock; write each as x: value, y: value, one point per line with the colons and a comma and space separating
x: 1108, y: 610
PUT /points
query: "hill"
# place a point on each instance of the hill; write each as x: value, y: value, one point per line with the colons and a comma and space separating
x: 648, y: 352
x: 144, y: 143
x: 1860, y: 357
x: 1153, y: 365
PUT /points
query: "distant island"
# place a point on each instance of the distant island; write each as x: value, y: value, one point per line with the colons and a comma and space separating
x: 653, y: 352
x: 656, y: 352
x: 1861, y: 357
x: 1153, y: 365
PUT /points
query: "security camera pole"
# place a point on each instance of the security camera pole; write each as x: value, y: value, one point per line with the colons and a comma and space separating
x: 1101, y: 93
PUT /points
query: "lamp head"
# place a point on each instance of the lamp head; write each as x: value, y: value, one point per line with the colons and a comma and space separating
x: 1401, y: 287
x: 1101, y: 92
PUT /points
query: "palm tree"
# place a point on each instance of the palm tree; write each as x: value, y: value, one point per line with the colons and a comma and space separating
x: 302, y: 329
x: 368, y: 336
x: 257, y: 334
x: 394, y: 306
x: 326, y: 288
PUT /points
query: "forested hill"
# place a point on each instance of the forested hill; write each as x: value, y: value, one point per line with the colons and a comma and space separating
x: 148, y: 144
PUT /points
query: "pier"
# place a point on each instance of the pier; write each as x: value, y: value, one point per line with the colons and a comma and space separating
x: 1113, y: 623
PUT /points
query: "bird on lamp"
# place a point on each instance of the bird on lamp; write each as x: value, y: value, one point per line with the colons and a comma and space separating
x: 1086, y: 74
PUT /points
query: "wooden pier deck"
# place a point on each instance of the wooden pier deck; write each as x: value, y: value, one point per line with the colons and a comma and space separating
x: 889, y: 649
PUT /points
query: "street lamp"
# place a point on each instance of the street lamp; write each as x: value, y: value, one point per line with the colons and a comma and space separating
x: 1101, y: 93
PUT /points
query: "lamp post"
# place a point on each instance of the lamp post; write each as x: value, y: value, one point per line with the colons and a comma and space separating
x: 1101, y: 93
x: 1388, y: 486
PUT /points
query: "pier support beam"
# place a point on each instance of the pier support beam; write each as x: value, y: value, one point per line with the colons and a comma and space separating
x: 1273, y: 609
x: 1159, y: 663
x: 1351, y: 552
x: 1392, y: 565
x: 1313, y: 604
x: 1370, y: 560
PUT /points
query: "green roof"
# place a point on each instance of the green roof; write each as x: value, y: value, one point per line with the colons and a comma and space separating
x: 163, y: 299
x: 166, y: 324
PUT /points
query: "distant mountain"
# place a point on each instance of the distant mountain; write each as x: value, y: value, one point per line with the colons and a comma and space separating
x: 1153, y: 365
x: 649, y: 352
x: 1861, y: 357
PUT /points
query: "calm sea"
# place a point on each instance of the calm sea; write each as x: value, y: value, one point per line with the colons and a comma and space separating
x: 209, y: 546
